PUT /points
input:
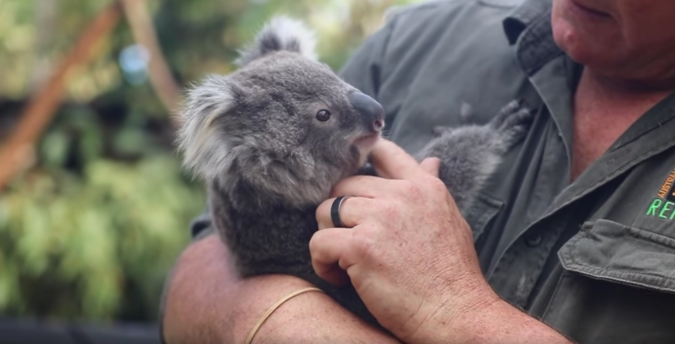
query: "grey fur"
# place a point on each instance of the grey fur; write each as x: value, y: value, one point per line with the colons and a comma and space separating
x: 471, y: 153
x: 267, y: 161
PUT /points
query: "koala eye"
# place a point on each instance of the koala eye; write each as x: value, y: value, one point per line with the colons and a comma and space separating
x: 323, y: 115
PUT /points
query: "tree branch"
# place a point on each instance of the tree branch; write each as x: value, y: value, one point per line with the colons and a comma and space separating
x: 42, y: 106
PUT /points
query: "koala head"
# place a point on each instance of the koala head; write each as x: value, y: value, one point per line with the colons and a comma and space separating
x: 283, y: 124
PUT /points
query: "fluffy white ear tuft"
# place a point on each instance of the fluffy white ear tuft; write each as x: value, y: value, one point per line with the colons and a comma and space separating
x: 281, y: 33
x: 205, y: 150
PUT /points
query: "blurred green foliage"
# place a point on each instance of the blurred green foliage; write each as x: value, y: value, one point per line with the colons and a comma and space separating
x: 92, y: 226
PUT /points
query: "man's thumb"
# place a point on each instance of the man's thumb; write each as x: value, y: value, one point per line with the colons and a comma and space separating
x: 431, y: 166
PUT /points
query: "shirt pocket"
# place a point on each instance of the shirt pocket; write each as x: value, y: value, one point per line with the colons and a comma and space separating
x: 611, y: 251
x: 482, y: 210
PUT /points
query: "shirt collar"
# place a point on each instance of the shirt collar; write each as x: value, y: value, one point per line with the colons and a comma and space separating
x: 528, y: 28
x: 523, y: 16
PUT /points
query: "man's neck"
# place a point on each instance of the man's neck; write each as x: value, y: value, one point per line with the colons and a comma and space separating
x: 603, y: 110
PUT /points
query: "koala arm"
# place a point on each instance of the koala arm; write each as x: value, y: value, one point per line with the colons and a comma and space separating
x: 207, y: 303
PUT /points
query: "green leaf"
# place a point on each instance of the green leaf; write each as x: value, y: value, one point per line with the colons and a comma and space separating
x: 55, y: 148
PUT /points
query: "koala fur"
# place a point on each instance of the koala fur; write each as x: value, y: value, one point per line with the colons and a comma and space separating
x: 257, y: 138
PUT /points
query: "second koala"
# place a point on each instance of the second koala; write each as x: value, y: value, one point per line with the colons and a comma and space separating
x: 272, y: 139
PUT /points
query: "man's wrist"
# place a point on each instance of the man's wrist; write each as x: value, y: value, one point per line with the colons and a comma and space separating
x: 452, y: 319
x: 477, y: 315
x: 494, y: 321
x: 504, y: 323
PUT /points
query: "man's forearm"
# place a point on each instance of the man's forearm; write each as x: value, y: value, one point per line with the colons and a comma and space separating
x: 207, y: 303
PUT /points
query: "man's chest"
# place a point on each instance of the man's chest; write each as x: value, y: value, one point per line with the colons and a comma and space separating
x: 597, y: 126
x: 593, y: 135
x: 594, y: 259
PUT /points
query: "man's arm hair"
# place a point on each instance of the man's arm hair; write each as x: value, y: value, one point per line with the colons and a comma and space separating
x: 207, y: 303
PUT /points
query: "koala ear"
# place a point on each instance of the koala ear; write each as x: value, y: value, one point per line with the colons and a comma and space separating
x: 281, y: 33
x: 205, y: 150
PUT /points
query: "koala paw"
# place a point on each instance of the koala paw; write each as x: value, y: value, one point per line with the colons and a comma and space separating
x: 512, y: 122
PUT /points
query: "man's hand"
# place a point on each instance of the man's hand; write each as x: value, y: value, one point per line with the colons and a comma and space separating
x: 409, y: 252
x: 410, y: 255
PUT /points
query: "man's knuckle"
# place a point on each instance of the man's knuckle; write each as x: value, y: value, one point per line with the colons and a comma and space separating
x: 408, y: 188
x: 363, y: 243
x: 436, y: 185
x: 321, y: 210
x: 315, y: 246
x: 411, y: 190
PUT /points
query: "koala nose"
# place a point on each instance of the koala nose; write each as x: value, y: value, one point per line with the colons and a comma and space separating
x: 372, y: 113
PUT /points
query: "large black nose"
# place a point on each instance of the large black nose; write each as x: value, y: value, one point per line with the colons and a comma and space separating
x: 372, y: 113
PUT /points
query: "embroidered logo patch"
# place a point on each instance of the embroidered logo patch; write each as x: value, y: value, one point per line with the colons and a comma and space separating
x: 664, y: 205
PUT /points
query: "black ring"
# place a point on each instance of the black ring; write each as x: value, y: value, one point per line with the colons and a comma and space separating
x: 335, y: 211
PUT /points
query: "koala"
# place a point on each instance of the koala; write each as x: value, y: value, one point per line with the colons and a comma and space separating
x: 271, y: 140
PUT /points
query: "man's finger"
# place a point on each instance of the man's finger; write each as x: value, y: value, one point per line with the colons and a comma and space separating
x: 431, y: 166
x: 351, y: 211
x: 329, y: 248
x: 362, y: 186
x: 392, y: 162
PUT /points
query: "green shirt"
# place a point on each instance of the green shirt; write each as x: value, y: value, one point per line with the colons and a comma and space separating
x: 594, y: 259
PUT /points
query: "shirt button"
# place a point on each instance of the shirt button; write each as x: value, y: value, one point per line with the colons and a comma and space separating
x: 532, y: 239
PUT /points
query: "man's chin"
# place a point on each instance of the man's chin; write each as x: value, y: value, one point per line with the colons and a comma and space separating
x: 586, y: 44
